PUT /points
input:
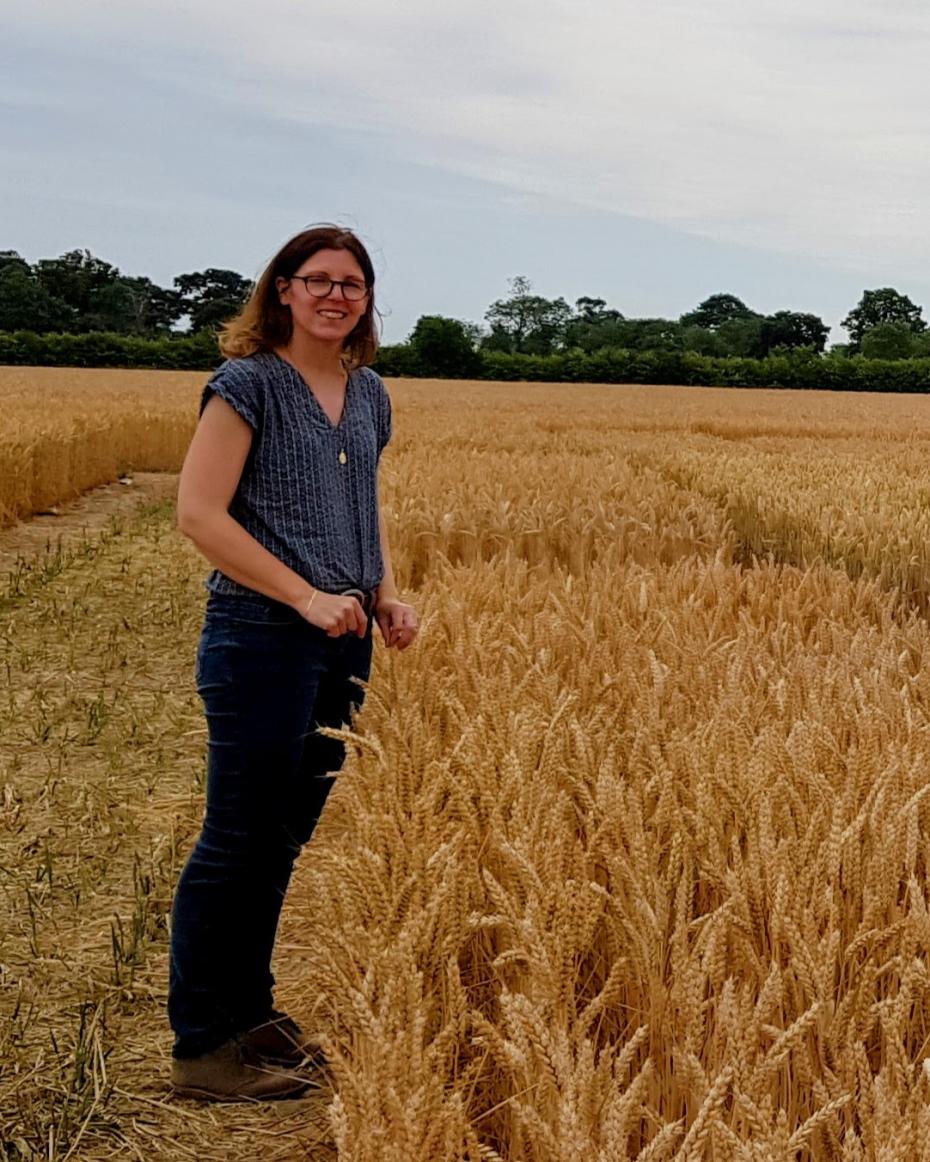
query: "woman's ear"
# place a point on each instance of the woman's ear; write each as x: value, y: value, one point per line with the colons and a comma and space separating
x: 281, y: 284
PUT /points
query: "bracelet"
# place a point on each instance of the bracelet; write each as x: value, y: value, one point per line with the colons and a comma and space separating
x: 310, y: 602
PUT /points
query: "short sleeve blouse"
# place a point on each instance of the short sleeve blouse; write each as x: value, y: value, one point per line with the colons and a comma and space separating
x: 309, y: 488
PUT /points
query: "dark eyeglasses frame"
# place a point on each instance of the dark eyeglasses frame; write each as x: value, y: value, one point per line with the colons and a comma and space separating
x: 333, y: 282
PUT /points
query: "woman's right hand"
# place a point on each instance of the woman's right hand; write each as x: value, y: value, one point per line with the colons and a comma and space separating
x: 334, y: 613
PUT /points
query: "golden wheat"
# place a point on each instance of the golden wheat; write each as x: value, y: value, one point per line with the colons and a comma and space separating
x: 629, y: 858
x: 634, y: 820
x: 65, y: 431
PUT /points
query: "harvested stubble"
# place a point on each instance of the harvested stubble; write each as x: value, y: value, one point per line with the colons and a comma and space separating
x: 629, y: 856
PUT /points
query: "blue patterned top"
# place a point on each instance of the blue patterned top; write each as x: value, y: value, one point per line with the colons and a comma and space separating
x: 309, y: 488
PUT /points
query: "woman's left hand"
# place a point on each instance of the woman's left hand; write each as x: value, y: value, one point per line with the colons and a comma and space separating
x: 397, y: 622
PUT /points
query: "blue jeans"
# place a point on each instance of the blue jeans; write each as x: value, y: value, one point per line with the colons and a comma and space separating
x: 267, y: 679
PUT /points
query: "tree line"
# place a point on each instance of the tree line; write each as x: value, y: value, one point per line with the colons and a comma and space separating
x: 78, y: 293
x: 885, y: 324
x: 799, y: 368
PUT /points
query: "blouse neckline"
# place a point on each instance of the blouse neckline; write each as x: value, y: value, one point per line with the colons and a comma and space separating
x: 315, y: 402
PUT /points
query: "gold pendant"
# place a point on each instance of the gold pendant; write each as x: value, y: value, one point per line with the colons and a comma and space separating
x: 342, y: 457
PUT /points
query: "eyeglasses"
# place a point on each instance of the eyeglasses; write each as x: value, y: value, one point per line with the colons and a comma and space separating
x: 320, y: 287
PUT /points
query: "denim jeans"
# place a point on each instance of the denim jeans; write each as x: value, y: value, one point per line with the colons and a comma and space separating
x: 268, y: 679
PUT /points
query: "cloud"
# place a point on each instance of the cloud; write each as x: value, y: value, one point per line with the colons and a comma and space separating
x: 788, y: 126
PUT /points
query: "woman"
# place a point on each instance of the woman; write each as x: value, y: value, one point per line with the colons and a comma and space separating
x: 279, y: 492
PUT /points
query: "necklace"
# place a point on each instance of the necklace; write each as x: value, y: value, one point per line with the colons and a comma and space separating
x: 342, y: 456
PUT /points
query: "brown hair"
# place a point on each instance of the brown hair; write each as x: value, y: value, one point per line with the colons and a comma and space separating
x: 265, y: 322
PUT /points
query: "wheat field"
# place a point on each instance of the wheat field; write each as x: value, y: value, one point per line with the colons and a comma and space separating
x: 629, y: 856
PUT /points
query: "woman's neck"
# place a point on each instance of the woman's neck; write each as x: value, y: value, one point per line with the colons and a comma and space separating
x: 312, y: 355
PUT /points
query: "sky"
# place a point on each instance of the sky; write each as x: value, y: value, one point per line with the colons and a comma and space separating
x: 647, y: 154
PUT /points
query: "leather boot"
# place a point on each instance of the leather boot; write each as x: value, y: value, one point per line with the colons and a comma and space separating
x: 281, y: 1041
x: 232, y: 1073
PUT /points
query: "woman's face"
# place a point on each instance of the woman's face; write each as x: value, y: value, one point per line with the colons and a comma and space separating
x: 319, y: 308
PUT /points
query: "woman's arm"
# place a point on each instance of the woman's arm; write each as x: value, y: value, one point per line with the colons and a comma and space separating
x: 208, y: 482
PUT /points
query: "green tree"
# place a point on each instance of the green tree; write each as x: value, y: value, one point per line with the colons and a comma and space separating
x: 652, y: 335
x: 10, y: 258
x: 102, y: 299
x: 741, y: 336
x: 595, y: 311
x: 79, y: 279
x: 527, y: 323
x: 702, y: 341
x: 716, y: 311
x: 211, y: 297
x: 597, y: 336
x: 889, y: 341
x: 444, y: 348
x: 150, y: 309
x: 885, y: 305
x: 593, y: 326
x: 790, y: 329
x: 25, y: 304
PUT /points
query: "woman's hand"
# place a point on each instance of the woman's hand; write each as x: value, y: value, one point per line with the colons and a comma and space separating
x: 397, y: 622
x: 333, y: 612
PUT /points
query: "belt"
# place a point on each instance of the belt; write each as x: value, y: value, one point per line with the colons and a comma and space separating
x: 366, y: 598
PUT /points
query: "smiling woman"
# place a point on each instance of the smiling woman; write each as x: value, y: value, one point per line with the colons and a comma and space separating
x: 279, y: 491
x: 268, y: 319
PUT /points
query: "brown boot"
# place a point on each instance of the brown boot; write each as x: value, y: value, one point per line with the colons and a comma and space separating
x: 231, y: 1073
x: 281, y: 1041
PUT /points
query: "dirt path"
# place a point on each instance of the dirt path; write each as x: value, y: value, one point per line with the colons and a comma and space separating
x: 32, y: 545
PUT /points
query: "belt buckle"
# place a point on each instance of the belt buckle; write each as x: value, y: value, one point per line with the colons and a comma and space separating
x: 364, y: 598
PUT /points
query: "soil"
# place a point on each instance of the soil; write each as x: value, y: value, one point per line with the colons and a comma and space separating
x: 76, y: 521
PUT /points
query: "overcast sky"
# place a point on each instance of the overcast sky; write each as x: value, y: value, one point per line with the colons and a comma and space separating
x: 650, y: 154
